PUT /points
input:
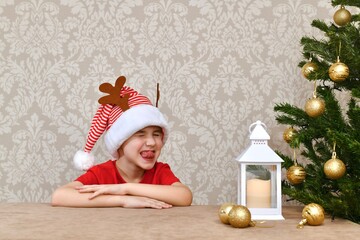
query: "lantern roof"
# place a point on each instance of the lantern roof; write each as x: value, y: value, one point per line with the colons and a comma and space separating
x: 259, y: 153
x: 259, y: 132
x: 259, y: 150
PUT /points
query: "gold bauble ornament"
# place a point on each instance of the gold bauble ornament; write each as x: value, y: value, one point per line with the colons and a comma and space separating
x: 342, y: 16
x: 289, y: 134
x: 224, y: 212
x: 295, y: 174
x: 308, y: 68
x: 338, y: 71
x: 239, y: 216
x: 314, y: 107
x: 334, y: 168
x: 313, y: 214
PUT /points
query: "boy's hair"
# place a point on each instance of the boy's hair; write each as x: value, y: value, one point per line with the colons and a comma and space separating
x: 121, y: 114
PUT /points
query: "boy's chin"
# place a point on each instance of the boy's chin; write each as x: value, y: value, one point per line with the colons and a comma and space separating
x: 147, y: 165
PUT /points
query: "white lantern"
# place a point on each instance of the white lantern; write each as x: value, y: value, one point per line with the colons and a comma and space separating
x: 259, y: 177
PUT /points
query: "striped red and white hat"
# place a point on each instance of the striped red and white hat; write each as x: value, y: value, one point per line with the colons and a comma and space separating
x: 119, y: 121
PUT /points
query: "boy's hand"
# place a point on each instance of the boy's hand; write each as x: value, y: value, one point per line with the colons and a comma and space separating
x: 143, y: 202
x: 106, y: 189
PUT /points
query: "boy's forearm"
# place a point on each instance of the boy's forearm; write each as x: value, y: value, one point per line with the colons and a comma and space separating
x: 69, y: 197
x: 176, y: 194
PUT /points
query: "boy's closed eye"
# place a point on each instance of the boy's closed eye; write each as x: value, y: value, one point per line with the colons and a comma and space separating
x: 158, y: 133
x: 142, y: 133
x: 139, y: 134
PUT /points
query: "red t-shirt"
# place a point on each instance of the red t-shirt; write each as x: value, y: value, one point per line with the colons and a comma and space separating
x: 107, y: 173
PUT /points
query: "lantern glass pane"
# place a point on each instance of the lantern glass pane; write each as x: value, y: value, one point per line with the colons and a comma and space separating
x: 261, y: 186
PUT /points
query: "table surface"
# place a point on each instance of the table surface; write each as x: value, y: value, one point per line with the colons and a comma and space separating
x: 41, y: 221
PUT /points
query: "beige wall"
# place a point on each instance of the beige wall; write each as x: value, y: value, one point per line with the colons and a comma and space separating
x: 221, y: 66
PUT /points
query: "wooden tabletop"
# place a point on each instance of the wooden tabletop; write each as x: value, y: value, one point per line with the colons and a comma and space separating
x: 41, y: 221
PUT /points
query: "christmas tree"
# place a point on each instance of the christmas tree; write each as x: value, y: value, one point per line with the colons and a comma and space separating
x: 323, y: 134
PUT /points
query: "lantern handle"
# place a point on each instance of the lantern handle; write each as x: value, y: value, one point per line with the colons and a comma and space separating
x: 256, y: 123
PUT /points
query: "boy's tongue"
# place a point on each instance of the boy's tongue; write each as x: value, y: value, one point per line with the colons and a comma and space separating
x: 147, y: 154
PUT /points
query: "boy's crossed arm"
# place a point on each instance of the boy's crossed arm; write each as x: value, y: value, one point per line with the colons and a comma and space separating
x: 132, y: 195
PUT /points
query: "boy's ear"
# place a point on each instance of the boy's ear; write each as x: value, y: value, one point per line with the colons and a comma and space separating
x: 120, y: 151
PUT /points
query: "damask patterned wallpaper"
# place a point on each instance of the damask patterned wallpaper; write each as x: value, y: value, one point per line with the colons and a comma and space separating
x: 221, y: 66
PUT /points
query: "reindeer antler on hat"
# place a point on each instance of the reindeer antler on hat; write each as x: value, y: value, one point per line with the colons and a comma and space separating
x: 114, y: 97
x: 121, y: 114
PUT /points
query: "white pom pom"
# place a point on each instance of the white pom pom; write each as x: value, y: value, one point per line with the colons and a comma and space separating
x: 83, y: 160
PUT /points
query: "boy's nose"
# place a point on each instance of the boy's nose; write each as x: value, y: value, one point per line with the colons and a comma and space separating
x: 150, y: 141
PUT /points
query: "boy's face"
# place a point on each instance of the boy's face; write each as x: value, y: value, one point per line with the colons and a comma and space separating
x: 143, y: 148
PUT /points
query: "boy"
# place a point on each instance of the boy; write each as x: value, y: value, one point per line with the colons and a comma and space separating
x: 135, y: 134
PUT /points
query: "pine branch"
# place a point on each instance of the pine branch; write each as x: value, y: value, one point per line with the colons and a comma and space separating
x: 292, y: 115
x: 319, y: 49
x: 354, y: 3
x: 355, y: 18
x: 355, y: 92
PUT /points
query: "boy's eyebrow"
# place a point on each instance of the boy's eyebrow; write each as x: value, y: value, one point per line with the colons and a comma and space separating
x: 159, y: 130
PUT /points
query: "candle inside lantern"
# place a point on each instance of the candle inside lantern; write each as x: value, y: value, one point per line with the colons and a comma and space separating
x: 258, y: 193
